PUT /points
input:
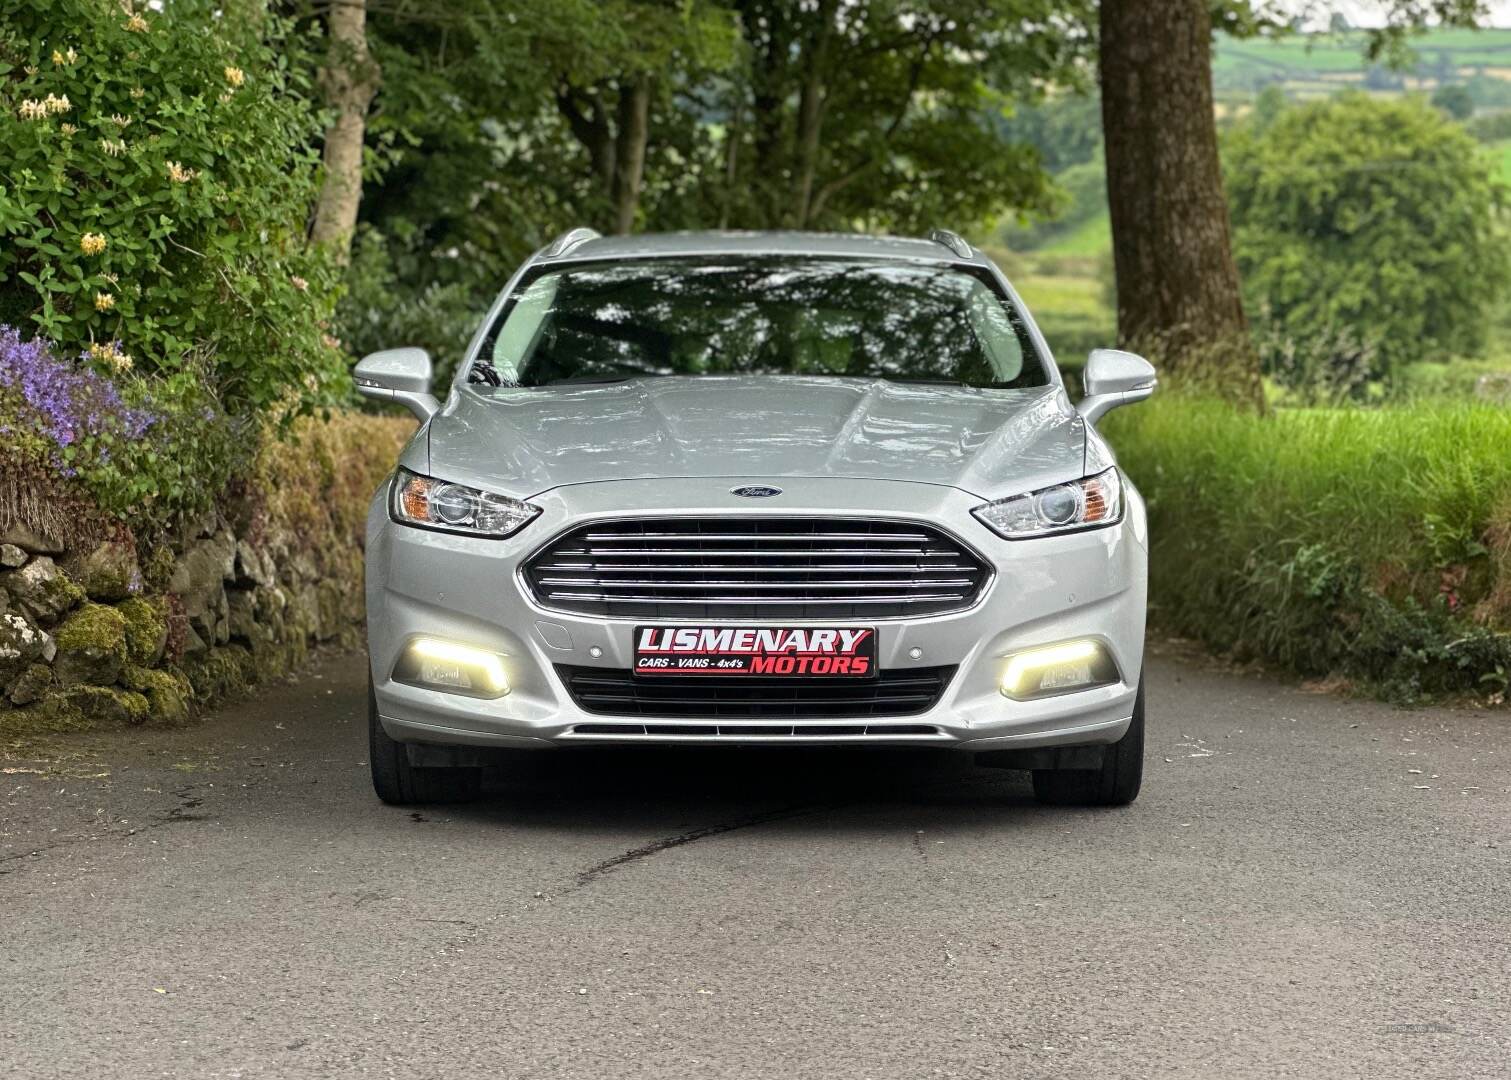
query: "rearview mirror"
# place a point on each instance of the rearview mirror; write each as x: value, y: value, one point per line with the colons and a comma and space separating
x: 401, y: 375
x: 1112, y: 378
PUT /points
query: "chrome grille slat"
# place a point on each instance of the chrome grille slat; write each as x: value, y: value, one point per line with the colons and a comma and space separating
x: 752, y: 599
x: 770, y: 568
x: 849, y: 568
x: 761, y: 551
x: 617, y: 692
x: 714, y: 583
x: 672, y: 535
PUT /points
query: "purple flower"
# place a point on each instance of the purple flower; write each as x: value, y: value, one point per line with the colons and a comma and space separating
x: 65, y: 402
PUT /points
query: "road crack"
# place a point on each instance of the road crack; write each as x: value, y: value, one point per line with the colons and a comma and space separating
x: 172, y: 816
x: 655, y: 847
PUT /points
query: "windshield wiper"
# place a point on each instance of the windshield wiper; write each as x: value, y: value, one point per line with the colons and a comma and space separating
x: 591, y: 380
x: 926, y: 380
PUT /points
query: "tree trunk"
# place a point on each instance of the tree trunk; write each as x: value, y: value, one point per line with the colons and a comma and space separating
x: 1177, y: 285
x: 629, y: 155
x: 591, y: 129
x: 350, y: 79
x: 810, y: 112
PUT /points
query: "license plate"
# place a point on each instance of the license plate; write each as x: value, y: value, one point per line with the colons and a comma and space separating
x: 804, y: 652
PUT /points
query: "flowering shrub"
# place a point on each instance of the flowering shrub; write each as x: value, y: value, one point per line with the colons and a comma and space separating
x: 159, y: 166
x: 143, y: 455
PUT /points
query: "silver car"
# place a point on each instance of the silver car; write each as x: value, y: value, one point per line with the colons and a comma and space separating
x: 757, y: 489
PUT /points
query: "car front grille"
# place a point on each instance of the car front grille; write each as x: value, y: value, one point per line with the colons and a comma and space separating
x: 617, y: 692
x: 756, y: 568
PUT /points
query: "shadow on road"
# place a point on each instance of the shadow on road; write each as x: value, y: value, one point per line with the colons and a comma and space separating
x: 674, y: 796
x: 619, y: 785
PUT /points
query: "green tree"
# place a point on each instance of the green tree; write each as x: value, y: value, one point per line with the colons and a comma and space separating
x: 1455, y: 100
x: 1370, y: 223
x: 881, y: 114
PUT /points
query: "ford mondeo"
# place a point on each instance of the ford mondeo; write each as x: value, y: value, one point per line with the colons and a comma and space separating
x: 757, y: 489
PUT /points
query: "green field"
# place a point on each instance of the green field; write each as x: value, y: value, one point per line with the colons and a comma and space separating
x: 1326, y: 60
x: 1089, y: 239
x: 1501, y: 153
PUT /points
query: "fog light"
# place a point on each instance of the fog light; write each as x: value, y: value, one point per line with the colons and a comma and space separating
x: 450, y: 666
x: 1058, y: 669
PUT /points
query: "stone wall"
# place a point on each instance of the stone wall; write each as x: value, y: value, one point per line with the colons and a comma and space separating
x: 92, y: 637
x: 116, y: 632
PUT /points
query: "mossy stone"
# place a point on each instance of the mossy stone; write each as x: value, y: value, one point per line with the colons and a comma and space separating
x: 108, y: 572
x: 91, y: 646
x: 30, y: 685
x: 42, y: 590
x: 168, y: 693
x: 79, y: 708
x: 157, y: 568
x: 146, y: 629
x: 20, y: 644
x: 218, y: 673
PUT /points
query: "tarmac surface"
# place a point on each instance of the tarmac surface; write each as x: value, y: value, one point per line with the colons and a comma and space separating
x: 1308, y: 887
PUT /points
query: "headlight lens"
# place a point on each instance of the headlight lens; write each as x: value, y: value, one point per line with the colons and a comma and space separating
x: 436, y: 504
x: 1082, y: 504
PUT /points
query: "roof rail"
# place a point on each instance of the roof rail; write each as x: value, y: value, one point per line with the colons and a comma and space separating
x: 568, y: 240
x: 954, y: 241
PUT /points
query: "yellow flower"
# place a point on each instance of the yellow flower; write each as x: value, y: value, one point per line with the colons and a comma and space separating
x: 103, y: 301
x: 137, y: 93
x: 57, y: 57
x: 109, y: 354
x: 178, y: 174
x: 235, y: 76
x: 92, y: 243
x: 136, y: 24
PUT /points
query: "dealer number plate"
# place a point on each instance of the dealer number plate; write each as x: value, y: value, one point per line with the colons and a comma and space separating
x: 795, y: 652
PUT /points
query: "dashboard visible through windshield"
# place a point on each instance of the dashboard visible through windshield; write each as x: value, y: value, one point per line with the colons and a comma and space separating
x: 612, y: 321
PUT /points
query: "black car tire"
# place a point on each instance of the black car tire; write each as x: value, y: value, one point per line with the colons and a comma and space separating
x: 1116, y: 783
x: 400, y: 783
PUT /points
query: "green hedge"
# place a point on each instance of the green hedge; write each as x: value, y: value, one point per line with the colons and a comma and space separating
x: 1374, y: 545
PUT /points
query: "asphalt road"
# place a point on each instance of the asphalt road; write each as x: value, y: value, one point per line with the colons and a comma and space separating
x: 1309, y: 887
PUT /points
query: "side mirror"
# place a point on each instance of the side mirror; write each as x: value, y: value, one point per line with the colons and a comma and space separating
x: 1114, y: 378
x: 401, y: 375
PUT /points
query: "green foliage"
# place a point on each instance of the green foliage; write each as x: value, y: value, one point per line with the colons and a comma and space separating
x: 1082, y: 189
x: 158, y: 167
x: 378, y: 311
x: 1369, y: 544
x: 1455, y: 100
x: 489, y: 134
x: 1369, y: 224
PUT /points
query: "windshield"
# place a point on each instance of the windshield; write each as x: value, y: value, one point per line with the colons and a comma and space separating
x: 611, y: 321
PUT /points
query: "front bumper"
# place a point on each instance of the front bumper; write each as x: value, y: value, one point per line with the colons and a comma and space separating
x: 1083, y: 585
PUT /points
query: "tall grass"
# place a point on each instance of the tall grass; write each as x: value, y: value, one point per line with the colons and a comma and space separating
x: 1372, y: 544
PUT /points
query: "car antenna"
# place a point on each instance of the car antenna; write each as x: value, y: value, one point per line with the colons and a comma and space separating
x: 952, y: 240
x: 569, y: 240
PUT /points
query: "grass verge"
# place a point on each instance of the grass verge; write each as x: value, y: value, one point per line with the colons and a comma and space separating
x: 1374, y: 545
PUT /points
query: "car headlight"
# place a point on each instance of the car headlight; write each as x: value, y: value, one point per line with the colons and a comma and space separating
x: 1081, y: 504
x: 437, y: 504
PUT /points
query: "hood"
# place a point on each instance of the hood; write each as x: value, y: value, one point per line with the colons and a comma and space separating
x: 988, y: 442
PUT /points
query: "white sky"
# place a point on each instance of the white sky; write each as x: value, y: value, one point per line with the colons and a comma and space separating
x: 1368, y: 13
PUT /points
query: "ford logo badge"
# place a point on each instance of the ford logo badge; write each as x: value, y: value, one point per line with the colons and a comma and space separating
x: 755, y: 491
